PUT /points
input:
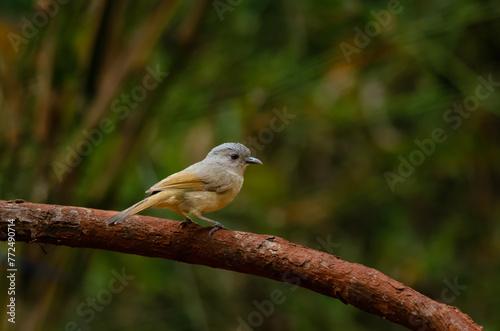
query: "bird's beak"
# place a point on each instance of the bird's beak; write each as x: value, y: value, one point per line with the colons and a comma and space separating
x: 253, y: 160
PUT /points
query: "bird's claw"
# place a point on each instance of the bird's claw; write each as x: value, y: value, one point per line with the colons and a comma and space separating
x: 183, y: 224
x: 217, y: 226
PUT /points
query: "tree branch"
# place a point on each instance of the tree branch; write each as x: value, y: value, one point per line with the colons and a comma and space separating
x: 255, y: 254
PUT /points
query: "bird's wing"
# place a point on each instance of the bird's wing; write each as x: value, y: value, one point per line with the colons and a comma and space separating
x: 182, y: 180
x: 198, y: 177
x: 216, y: 178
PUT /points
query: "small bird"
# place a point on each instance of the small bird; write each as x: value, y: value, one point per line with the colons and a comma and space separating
x: 201, y: 188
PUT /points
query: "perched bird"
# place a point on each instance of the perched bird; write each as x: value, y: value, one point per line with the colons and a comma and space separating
x: 201, y: 188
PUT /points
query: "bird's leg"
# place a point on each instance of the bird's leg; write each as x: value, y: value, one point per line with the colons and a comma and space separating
x: 187, y: 221
x: 217, y: 225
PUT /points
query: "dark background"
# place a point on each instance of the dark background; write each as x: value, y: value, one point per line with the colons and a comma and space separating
x: 388, y: 156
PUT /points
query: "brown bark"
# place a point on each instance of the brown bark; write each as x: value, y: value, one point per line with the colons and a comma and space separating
x: 261, y: 255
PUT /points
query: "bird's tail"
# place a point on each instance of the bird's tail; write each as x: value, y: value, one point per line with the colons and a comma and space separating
x: 132, y: 210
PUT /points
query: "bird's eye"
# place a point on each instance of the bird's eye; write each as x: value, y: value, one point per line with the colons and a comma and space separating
x: 235, y: 156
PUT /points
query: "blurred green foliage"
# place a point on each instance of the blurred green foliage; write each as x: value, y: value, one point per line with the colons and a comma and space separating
x: 232, y: 66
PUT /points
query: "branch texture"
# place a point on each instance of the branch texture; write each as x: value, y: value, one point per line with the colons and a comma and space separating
x: 255, y: 254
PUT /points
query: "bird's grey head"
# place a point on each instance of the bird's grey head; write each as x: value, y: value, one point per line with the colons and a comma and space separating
x: 233, y: 155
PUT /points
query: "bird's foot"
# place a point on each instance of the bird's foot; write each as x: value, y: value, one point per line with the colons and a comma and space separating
x: 217, y: 226
x: 183, y: 224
